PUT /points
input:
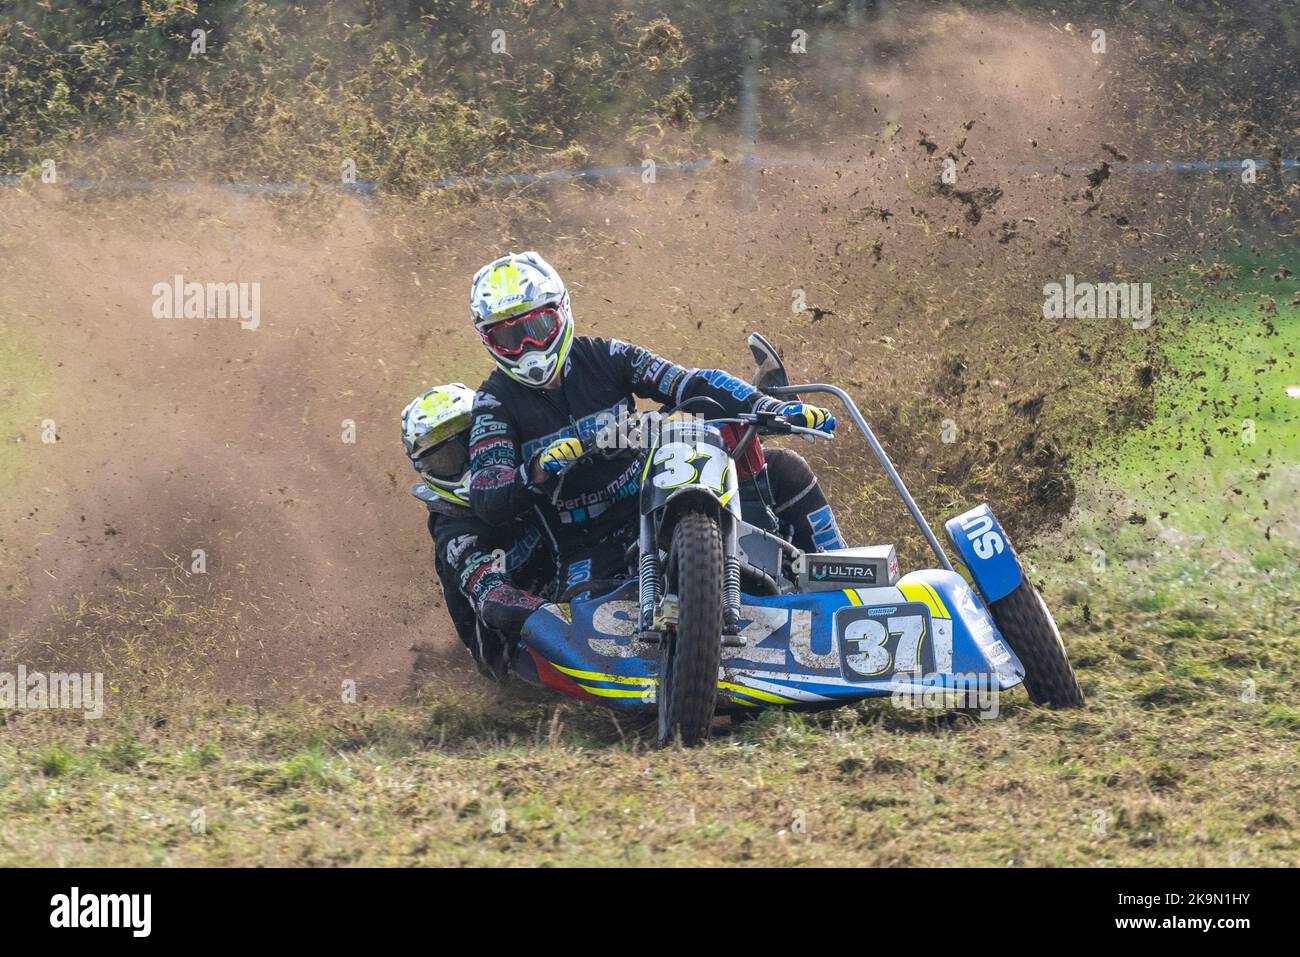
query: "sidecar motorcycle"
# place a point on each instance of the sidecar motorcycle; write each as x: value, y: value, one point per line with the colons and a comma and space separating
x: 724, y: 615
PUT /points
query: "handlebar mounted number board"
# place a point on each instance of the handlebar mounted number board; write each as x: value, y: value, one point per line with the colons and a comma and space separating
x: 877, y: 641
x: 691, y: 463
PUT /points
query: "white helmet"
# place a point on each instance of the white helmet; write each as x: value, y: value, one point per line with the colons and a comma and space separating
x: 435, y: 431
x: 520, y: 309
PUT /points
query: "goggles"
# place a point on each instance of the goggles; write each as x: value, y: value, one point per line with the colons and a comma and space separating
x: 447, y: 461
x: 535, y: 329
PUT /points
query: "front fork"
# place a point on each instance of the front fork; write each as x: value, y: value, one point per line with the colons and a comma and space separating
x: 650, y: 578
x: 731, y: 582
x: 648, y: 574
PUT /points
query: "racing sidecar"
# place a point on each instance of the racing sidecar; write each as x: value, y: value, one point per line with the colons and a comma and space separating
x: 788, y: 628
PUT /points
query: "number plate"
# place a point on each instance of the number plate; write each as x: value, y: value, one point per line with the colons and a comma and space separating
x: 698, y: 463
x: 878, y: 641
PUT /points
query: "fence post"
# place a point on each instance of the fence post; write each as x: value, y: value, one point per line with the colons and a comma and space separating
x: 749, y: 125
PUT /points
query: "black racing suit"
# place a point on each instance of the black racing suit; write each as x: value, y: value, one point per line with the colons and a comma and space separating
x: 593, y: 519
x: 484, y: 571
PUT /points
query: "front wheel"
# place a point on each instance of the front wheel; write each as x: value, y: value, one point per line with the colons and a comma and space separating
x: 1028, y: 626
x: 690, y: 656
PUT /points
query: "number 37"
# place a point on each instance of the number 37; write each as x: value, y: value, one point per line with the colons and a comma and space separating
x: 871, y: 636
x: 678, y: 463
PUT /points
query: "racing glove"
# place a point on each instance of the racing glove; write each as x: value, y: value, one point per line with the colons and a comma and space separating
x: 559, y: 455
x: 809, y: 416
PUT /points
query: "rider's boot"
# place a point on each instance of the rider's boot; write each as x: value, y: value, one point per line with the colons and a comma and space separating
x: 493, y: 655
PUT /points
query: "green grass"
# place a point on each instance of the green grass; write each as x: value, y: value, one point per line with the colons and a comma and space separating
x: 55, y: 761
x: 1225, y: 437
x: 1193, y: 516
x: 1168, y: 765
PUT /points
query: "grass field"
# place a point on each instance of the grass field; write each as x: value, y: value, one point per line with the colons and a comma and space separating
x: 1178, y: 609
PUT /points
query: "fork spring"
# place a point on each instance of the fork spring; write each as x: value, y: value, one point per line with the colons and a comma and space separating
x: 649, y: 588
x: 731, y: 592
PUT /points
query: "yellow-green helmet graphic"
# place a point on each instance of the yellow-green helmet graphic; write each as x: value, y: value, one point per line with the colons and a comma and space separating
x: 435, y: 433
x: 520, y: 310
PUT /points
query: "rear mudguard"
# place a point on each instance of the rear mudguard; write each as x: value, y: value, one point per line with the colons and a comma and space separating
x: 805, y: 651
x: 985, y: 552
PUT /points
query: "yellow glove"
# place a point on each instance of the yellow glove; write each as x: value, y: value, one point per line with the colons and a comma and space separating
x: 559, y: 455
x: 809, y: 416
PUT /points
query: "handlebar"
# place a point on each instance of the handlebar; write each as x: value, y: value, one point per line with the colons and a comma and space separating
x: 773, y: 423
x: 763, y: 423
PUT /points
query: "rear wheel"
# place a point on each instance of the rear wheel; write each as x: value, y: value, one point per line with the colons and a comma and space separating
x: 689, y: 657
x: 1029, y: 628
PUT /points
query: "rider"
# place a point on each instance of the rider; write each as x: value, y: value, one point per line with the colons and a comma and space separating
x: 549, y: 397
x: 478, y: 565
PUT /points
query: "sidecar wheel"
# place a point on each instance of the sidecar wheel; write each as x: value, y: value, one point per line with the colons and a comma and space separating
x: 689, y: 658
x: 1029, y: 628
